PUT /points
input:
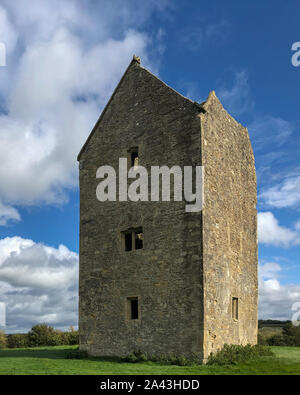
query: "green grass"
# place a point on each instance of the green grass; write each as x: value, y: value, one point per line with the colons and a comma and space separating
x: 50, y: 360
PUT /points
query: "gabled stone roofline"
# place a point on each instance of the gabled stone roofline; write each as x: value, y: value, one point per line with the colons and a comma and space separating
x: 135, y: 60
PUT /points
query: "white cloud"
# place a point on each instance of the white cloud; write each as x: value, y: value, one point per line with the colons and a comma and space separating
x: 275, y: 299
x: 38, y: 284
x: 269, y: 270
x: 285, y: 194
x: 270, y: 232
x: 57, y: 96
x: 8, y: 34
x: 60, y: 75
x: 237, y: 99
x: 7, y: 214
x: 297, y: 225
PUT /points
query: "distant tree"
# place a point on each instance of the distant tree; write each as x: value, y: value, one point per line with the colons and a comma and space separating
x: 73, y: 336
x: 290, y: 336
x: 17, y: 340
x: 3, y: 343
x: 290, y: 330
x: 43, y: 335
x: 264, y: 323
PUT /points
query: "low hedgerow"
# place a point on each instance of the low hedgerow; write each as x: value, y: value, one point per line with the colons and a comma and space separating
x: 17, y: 340
x: 234, y: 354
x: 139, y: 356
x: 262, y: 340
x: 283, y: 341
x: 136, y: 356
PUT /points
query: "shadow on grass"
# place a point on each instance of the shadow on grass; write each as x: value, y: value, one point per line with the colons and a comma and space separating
x: 34, y: 353
x: 50, y: 353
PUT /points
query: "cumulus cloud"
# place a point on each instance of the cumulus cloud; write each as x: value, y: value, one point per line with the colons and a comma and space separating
x: 285, y: 194
x: 8, y: 214
x: 8, y: 33
x: 38, y: 284
x: 57, y: 96
x: 297, y: 225
x: 275, y: 299
x: 63, y: 65
x: 271, y: 233
x: 269, y: 270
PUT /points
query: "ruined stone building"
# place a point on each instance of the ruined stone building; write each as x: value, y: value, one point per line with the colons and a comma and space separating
x: 154, y: 277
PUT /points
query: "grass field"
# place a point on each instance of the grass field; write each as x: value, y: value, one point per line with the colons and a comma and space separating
x: 50, y: 360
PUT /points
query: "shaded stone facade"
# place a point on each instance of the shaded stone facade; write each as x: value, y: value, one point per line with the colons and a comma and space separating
x: 194, y: 282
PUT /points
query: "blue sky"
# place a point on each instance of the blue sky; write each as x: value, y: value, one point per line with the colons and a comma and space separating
x: 63, y: 61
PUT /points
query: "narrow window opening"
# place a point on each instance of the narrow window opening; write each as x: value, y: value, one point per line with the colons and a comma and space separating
x: 235, y: 308
x: 139, y: 239
x: 133, y: 308
x: 128, y: 241
x: 134, y: 156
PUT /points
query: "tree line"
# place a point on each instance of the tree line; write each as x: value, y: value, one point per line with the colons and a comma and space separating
x: 39, y: 335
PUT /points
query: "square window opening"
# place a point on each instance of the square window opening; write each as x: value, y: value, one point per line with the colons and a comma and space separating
x: 133, y: 239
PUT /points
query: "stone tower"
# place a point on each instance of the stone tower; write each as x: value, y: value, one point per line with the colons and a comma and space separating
x: 154, y: 277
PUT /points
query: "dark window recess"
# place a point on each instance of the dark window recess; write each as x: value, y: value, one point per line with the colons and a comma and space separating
x: 138, y: 239
x: 133, y: 239
x: 134, y: 155
x: 134, y: 309
x: 235, y: 308
x: 128, y: 241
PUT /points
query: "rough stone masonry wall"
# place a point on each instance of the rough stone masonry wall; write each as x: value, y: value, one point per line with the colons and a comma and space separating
x: 229, y: 229
x: 167, y: 273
